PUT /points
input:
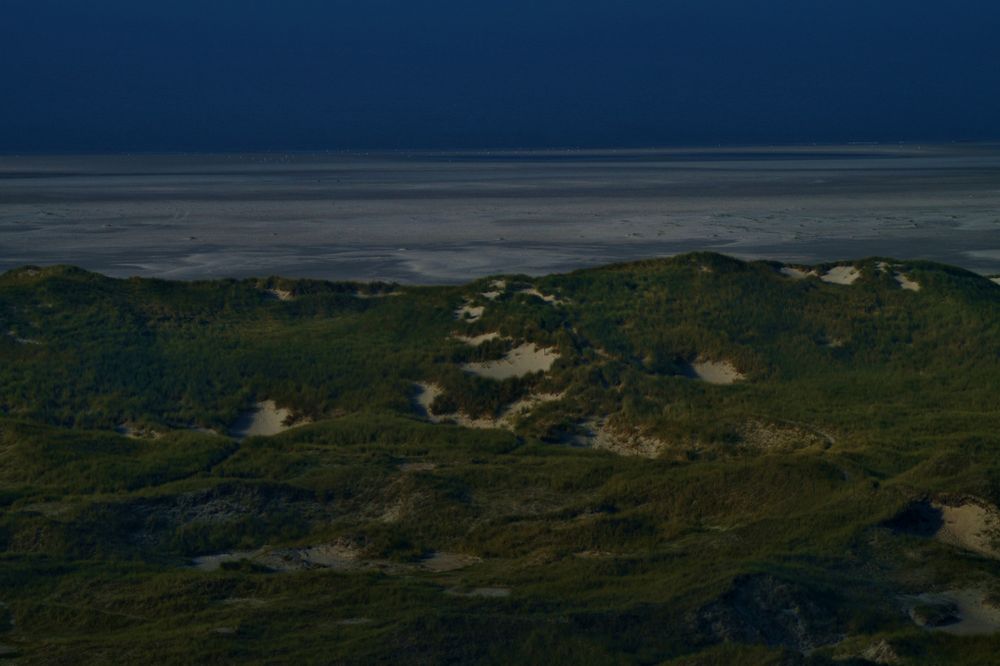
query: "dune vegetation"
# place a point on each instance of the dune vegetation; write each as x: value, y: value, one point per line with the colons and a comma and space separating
x: 694, y: 461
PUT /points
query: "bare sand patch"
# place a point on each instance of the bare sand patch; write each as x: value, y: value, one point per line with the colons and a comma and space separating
x: 995, y: 280
x: 133, y: 431
x: 845, y: 275
x: 965, y: 612
x: 497, y: 288
x: 796, y: 273
x: 427, y: 393
x: 476, y: 340
x: 327, y: 556
x: 971, y: 525
x: 279, y: 294
x: 715, y: 372
x: 880, y: 652
x: 214, y: 562
x: 548, y: 298
x: 442, y: 562
x: 518, y: 362
x: 469, y: 312
x: 906, y: 283
x: 265, y: 419
x: 597, y: 434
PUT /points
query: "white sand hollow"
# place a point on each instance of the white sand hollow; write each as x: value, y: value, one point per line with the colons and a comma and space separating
x: 841, y: 275
x: 995, y: 280
x: 265, y: 419
x: 716, y: 372
x: 522, y: 360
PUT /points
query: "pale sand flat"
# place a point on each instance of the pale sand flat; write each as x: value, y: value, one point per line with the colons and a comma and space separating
x: 995, y: 280
x: 716, y: 372
x: 844, y: 275
x: 518, y: 362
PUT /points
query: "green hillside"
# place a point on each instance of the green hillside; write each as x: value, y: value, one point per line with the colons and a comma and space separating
x: 686, y: 461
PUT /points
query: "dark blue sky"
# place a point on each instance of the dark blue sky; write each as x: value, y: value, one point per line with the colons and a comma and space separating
x: 143, y: 75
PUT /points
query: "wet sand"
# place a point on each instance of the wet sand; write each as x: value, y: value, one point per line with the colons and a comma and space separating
x: 447, y: 218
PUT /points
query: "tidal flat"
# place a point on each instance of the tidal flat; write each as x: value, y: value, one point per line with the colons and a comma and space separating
x: 444, y: 218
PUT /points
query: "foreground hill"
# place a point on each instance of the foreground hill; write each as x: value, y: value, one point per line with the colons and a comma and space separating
x: 687, y: 461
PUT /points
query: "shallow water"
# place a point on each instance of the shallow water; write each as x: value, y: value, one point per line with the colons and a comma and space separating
x: 438, y: 218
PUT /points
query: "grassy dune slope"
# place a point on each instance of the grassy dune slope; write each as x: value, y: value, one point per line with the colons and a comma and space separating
x: 631, y: 514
